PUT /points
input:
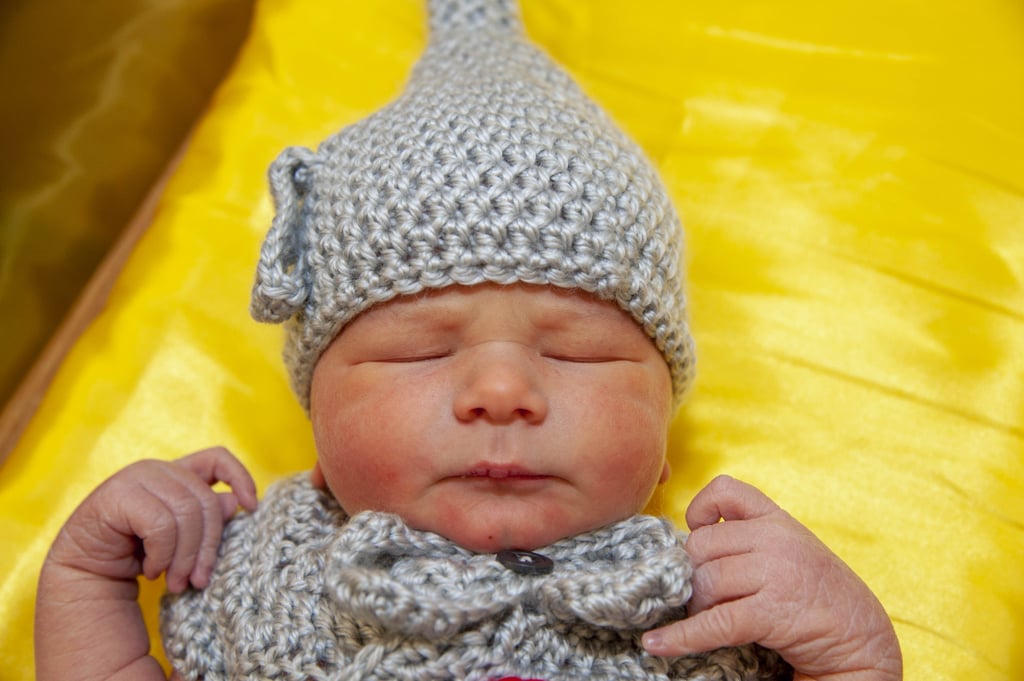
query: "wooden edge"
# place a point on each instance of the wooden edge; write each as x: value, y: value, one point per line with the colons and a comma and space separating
x: 22, y: 405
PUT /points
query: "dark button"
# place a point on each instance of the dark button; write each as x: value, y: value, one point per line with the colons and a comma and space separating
x: 526, y: 562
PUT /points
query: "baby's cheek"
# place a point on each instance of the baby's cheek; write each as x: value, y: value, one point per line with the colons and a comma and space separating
x: 637, y: 477
x: 634, y: 437
x: 363, y: 483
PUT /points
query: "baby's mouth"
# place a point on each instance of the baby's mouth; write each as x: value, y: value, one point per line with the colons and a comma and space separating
x: 497, y: 472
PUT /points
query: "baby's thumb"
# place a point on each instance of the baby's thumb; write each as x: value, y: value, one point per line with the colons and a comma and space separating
x: 707, y: 630
x: 228, y: 504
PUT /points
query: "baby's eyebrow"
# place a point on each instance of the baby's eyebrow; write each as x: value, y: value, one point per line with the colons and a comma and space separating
x: 572, y: 312
x: 441, y: 313
x: 561, y: 318
x: 427, y: 312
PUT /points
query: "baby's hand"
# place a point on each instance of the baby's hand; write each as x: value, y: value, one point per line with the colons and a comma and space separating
x: 154, y: 517
x: 762, y: 577
x: 148, y: 518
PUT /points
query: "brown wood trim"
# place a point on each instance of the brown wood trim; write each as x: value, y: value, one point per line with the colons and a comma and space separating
x: 22, y: 405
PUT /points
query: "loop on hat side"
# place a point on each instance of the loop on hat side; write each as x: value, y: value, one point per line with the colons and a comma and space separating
x: 282, y: 284
x: 473, y: 16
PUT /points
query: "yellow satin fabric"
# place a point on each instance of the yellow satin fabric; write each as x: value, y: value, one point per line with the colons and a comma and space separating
x: 850, y: 179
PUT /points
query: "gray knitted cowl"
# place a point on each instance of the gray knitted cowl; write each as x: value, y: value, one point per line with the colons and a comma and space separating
x: 302, y: 592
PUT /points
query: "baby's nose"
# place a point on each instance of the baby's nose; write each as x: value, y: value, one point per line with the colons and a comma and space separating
x: 501, y: 385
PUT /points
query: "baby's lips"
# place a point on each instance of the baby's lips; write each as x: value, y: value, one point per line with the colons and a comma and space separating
x: 501, y: 471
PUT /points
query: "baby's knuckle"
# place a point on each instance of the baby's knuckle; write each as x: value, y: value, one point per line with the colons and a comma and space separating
x: 723, y: 483
x: 208, y: 502
x: 704, y: 585
x: 721, y: 622
x: 161, y: 530
x: 697, y: 542
x: 184, y: 507
x: 131, y: 473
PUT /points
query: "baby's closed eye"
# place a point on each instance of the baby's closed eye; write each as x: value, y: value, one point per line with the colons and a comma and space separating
x: 587, y: 347
x: 410, y: 355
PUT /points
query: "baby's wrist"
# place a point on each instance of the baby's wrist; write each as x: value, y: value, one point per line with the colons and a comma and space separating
x: 67, y: 581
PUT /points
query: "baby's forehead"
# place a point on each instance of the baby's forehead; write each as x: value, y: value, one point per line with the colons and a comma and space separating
x: 545, y: 305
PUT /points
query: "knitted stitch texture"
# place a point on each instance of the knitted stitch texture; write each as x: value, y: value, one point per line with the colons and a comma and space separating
x: 302, y: 592
x: 492, y: 166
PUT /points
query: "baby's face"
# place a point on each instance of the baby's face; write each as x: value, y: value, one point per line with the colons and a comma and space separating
x: 497, y: 416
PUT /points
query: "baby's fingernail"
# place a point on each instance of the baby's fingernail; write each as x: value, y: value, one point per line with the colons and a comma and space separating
x: 653, y: 642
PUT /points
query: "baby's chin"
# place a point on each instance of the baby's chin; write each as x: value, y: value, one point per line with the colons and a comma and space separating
x: 499, y: 539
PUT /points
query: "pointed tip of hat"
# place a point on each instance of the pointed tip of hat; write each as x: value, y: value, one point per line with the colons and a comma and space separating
x: 454, y: 16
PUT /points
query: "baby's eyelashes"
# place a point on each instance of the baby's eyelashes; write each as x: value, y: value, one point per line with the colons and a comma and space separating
x: 412, y: 357
x: 585, y: 351
x: 583, y: 359
x: 558, y: 348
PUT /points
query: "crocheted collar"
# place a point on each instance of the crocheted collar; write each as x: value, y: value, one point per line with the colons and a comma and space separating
x: 630, y: 575
x: 302, y: 592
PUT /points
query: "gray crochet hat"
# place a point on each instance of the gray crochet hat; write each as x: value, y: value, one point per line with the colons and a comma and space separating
x: 492, y: 166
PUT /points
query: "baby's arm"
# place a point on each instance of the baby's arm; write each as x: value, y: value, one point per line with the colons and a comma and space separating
x: 762, y: 577
x: 149, y: 518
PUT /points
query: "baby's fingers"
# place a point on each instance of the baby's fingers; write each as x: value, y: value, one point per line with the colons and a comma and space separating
x: 730, y: 624
x: 228, y: 504
x: 726, y: 580
x: 217, y: 464
x: 169, y: 525
x: 217, y: 509
x: 200, y: 514
x: 726, y: 498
